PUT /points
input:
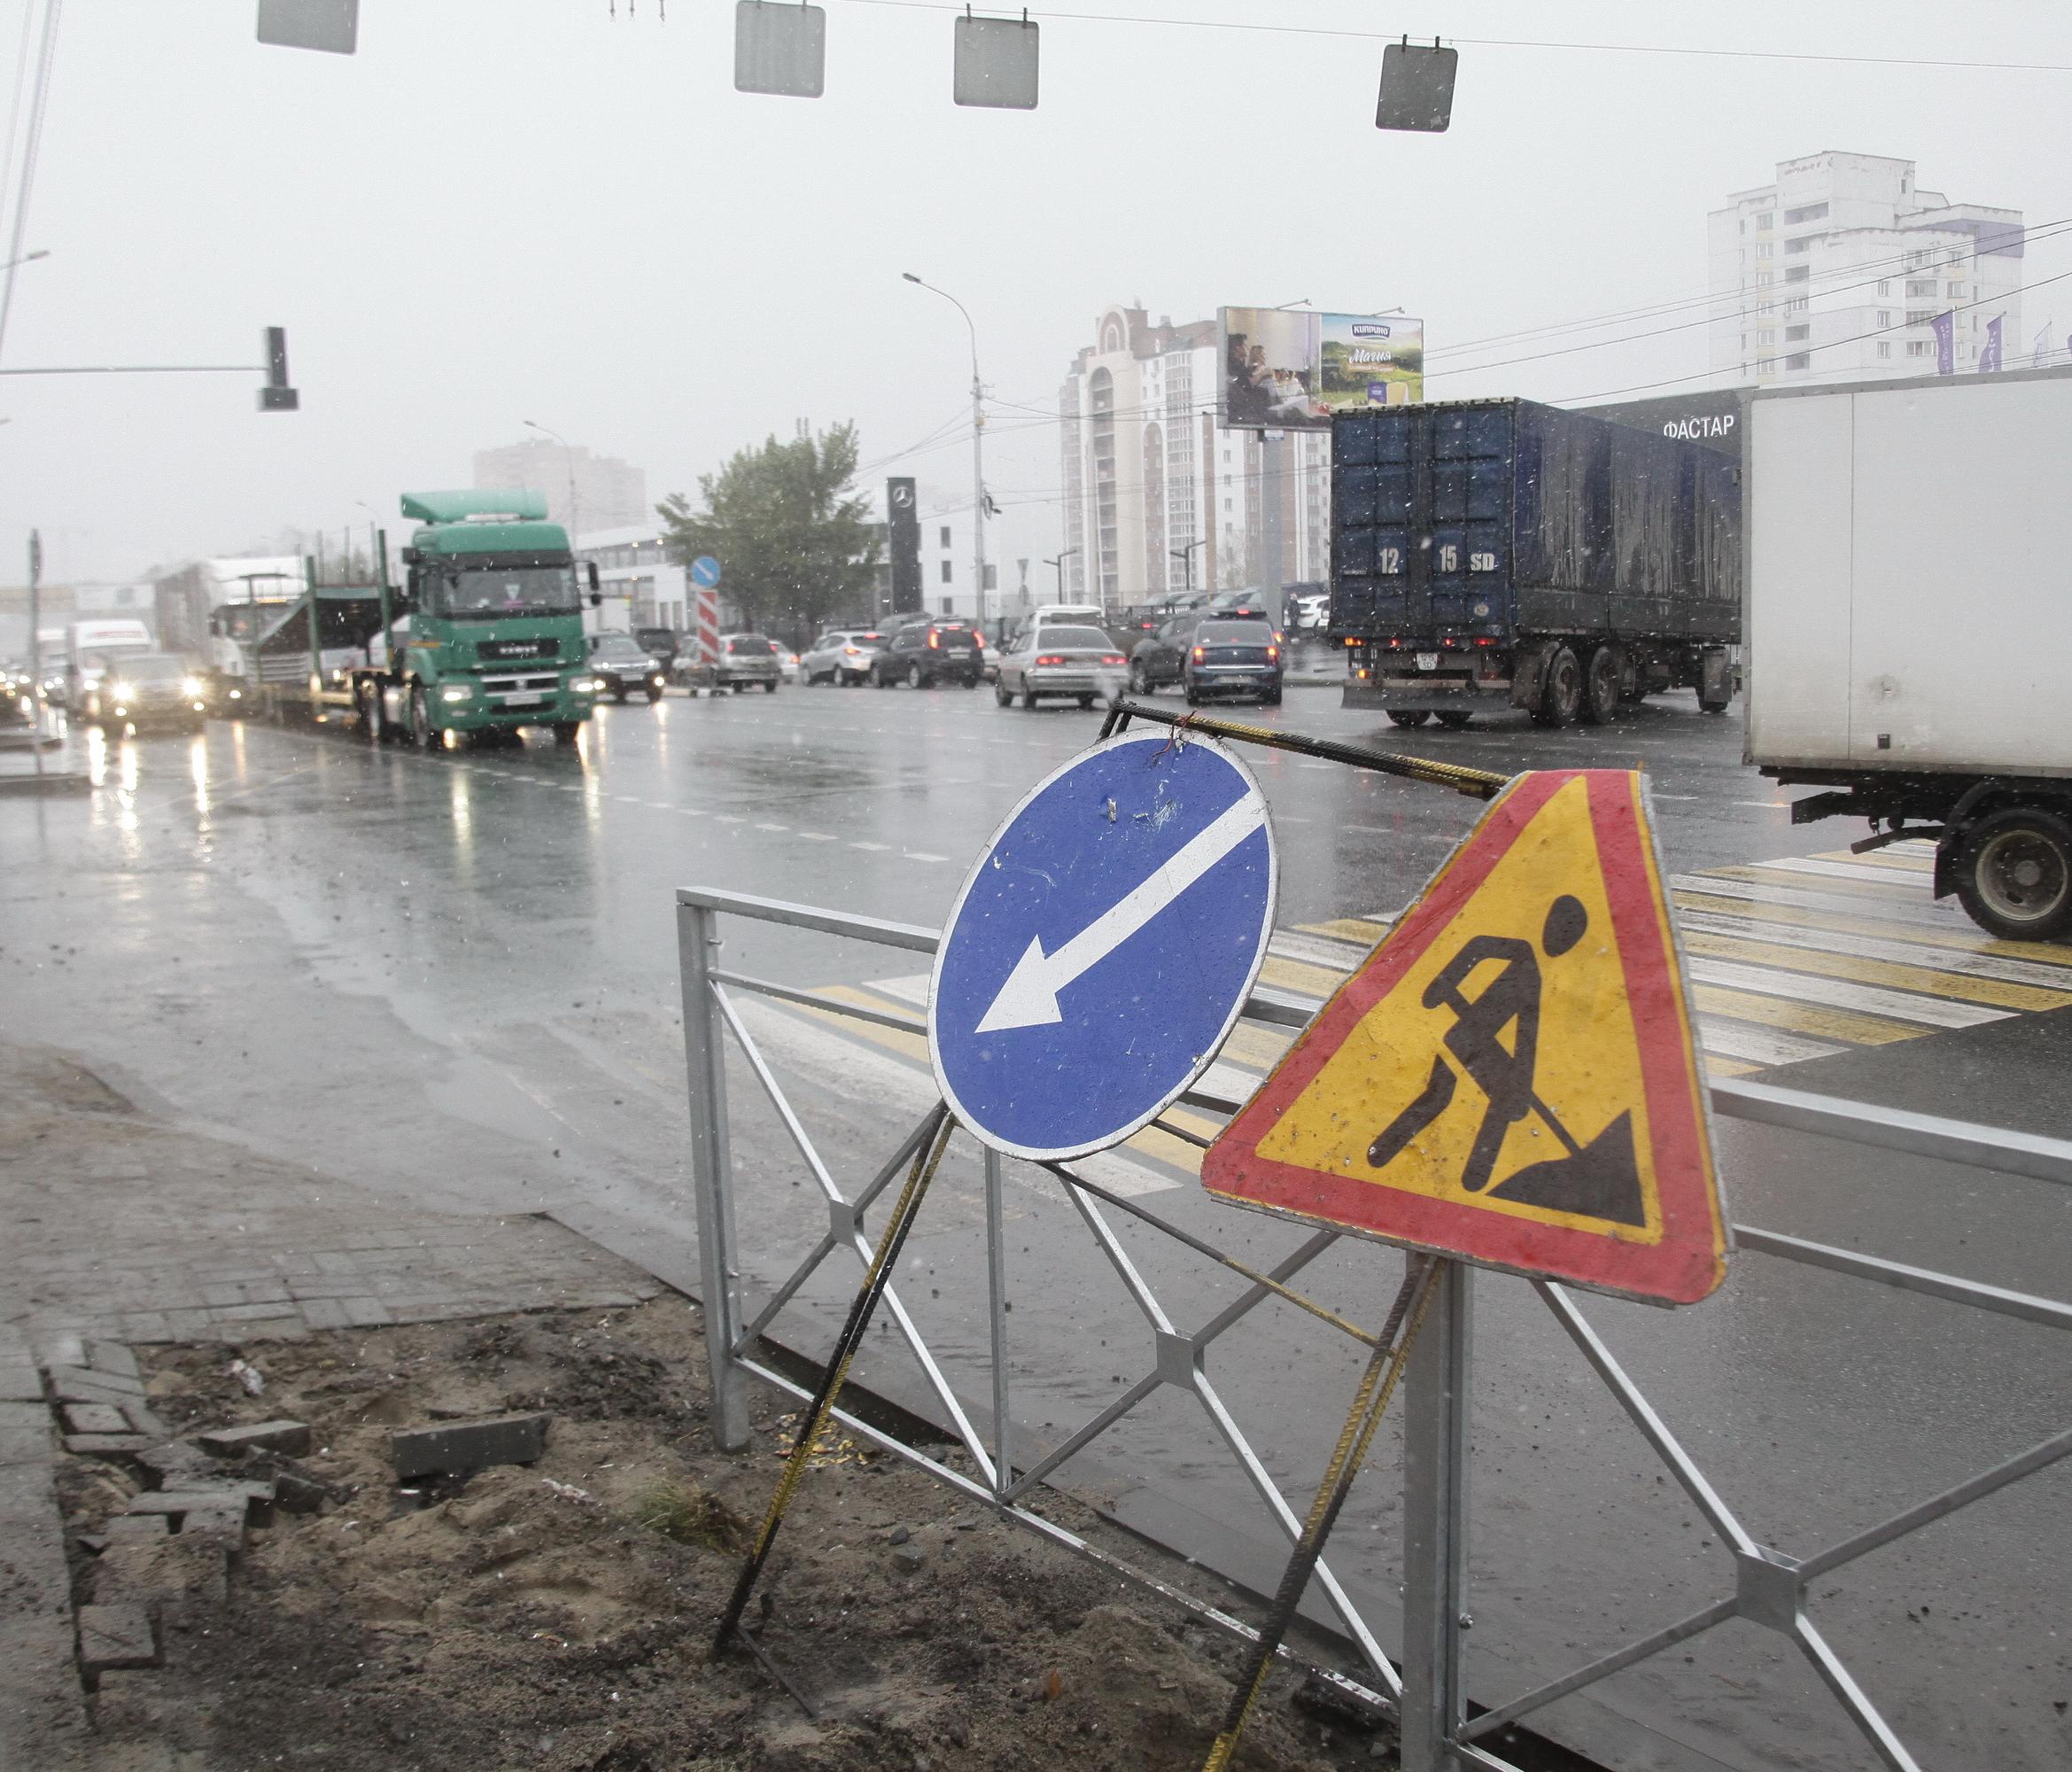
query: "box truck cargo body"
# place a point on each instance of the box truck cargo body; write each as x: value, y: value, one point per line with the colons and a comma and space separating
x: 1488, y: 554
x: 1910, y: 624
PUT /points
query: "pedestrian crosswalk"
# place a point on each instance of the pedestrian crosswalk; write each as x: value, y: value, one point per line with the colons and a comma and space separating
x: 1803, y: 957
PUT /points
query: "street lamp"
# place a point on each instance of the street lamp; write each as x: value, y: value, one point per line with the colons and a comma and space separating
x: 568, y: 455
x: 978, y: 461
x: 1057, y: 566
x: 1185, y: 556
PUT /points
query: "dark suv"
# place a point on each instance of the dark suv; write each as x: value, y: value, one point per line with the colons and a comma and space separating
x: 1227, y: 657
x: 921, y: 654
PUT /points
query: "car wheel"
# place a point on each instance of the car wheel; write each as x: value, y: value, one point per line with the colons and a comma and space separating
x: 972, y: 682
x: 1086, y: 701
x: 1193, y: 700
x: 1408, y: 715
x: 914, y: 679
x: 2014, y: 875
x: 1028, y: 698
x: 1271, y: 698
x: 1140, y: 681
x: 422, y: 735
x: 1600, y: 705
x: 1002, y: 693
x: 654, y: 695
x: 770, y: 687
x: 737, y: 688
x: 881, y: 680
x: 619, y: 695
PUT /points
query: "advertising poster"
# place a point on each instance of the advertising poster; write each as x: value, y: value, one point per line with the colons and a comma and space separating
x: 1291, y: 371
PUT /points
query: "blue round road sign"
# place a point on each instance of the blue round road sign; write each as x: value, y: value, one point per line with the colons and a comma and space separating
x: 1103, y: 946
x: 706, y: 571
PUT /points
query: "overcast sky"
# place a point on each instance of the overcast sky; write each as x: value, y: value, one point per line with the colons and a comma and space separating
x: 511, y: 209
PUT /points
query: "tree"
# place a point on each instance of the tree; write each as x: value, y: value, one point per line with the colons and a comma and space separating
x: 795, y: 545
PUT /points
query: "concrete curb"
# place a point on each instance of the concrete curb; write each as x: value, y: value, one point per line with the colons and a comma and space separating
x: 58, y: 783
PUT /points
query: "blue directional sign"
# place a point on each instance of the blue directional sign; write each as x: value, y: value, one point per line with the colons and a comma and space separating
x: 1103, y: 946
x: 706, y: 571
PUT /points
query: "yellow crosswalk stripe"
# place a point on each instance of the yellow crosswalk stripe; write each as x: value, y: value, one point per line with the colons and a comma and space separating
x: 1717, y: 1066
x: 1311, y: 981
x: 1346, y: 928
x: 2043, y: 953
x: 1922, y: 979
x: 1802, y: 1018
x: 1899, y: 888
x: 1898, y: 864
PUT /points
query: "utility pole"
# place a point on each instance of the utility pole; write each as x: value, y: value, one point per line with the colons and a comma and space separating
x: 36, y: 648
x: 978, y: 453
x: 568, y: 455
x: 1057, y: 566
x: 1185, y: 556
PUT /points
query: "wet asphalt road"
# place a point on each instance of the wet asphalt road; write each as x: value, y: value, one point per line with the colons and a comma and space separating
x: 455, y: 978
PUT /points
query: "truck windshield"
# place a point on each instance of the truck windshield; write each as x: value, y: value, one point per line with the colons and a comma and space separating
x: 505, y: 590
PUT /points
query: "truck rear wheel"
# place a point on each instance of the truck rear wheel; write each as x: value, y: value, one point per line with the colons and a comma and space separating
x: 1561, y: 697
x: 1408, y: 715
x: 1455, y: 718
x: 2014, y: 875
x: 1601, y: 690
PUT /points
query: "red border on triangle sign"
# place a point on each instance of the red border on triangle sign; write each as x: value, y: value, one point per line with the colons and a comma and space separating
x: 1541, y: 986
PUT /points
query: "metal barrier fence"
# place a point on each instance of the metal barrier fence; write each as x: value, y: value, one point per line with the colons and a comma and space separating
x: 1427, y: 1695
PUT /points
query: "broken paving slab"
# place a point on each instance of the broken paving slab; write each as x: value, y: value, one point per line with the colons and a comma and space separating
x: 118, y: 1635
x: 203, y: 1498
x: 95, y: 1418
x: 110, y: 1357
x: 81, y: 1384
x: 106, y: 1445
x: 290, y: 1437
x: 453, y: 1448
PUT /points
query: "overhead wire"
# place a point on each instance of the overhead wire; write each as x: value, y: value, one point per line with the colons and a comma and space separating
x: 32, y: 142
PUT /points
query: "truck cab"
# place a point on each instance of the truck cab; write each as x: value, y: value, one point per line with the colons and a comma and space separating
x: 495, y: 600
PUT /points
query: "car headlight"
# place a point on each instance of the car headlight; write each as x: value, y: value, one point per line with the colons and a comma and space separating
x: 123, y: 691
x: 191, y: 687
x: 456, y: 692
x: 587, y: 686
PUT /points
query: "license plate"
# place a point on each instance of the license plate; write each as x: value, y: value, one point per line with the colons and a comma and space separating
x: 529, y: 698
x: 1428, y: 661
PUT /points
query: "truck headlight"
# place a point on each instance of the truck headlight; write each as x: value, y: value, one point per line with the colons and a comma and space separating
x: 191, y: 687
x: 456, y: 692
x: 587, y: 686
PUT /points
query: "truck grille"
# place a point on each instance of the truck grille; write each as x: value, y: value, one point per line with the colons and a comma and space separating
x: 546, y: 684
x: 502, y: 649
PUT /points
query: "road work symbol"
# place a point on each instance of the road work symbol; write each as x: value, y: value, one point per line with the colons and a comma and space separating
x: 1103, y: 946
x: 1510, y: 1077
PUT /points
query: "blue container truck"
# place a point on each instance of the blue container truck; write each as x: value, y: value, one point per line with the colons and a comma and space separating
x: 1498, y: 552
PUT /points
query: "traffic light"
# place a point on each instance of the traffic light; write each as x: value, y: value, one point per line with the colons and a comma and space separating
x: 276, y: 395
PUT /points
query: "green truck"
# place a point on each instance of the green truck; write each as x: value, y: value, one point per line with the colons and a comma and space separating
x: 485, y: 635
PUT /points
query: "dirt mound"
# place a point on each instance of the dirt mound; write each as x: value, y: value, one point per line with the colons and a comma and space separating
x: 560, y: 1616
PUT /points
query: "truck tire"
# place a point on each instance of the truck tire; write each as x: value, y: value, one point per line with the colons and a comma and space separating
x: 1599, y: 705
x: 1562, y: 698
x: 565, y: 731
x: 422, y: 733
x: 374, y: 719
x: 1406, y: 716
x: 2014, y: 875
x: 1454, y: 720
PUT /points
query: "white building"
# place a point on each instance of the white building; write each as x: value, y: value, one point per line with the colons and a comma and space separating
x: 1839, y: 270
x: 584, y: 493
x: 1157, y: 495
x: 642, y: 586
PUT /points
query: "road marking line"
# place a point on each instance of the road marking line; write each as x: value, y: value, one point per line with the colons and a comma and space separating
x: 1834, y: 1024
x: 1857, y: 873
x: 922, y: 855
x: 876, y: 848
x: 1760, y: 1045
x: 1341, y: 956
x: 773, y: 827
x: 1310, y: 981
x: 1730, y: 885
x: 1734, y: 901
x: 1883, y: 858
x: 818, y: 836
x: 1361, y: 930
x: 2006, y: 981
x: 1935, y: 1012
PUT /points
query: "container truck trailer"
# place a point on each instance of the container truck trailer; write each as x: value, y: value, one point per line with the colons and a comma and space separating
x: 1909, y: 566
x: 1492, y: 554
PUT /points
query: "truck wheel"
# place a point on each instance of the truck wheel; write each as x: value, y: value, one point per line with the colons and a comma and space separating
x: 1562, y: 697
x: 565, y: 731
x: 373, y: 716
x: 2014, y: 875
x: 421, y: 735
x: 1600, y: 690
x: 1408, y: 716
x: 1453, y: 718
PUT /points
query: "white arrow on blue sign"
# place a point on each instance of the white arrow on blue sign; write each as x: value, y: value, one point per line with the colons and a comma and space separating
x: 706, y: 571
x: 1104, y: 945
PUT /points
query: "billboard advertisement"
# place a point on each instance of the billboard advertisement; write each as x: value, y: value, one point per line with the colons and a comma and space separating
x: 1291, y: 371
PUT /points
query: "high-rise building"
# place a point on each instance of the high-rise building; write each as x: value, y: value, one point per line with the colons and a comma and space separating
x: 583, y: 491
x: 1158, y: 497
x: 1844, y: 269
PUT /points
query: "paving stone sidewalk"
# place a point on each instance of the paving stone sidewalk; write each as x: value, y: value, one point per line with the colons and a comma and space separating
x: 125, y: 1227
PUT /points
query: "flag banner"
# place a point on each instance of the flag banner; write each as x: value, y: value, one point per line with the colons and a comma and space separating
x: 1945, y: 328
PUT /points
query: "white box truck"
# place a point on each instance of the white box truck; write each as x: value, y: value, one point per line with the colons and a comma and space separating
x: 1908, y: 631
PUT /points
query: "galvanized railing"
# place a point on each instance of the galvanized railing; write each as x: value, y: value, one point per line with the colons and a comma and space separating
x: 1770, y: 1585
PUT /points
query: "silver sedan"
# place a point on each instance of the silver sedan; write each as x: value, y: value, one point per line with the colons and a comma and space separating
x: 1058, y: 661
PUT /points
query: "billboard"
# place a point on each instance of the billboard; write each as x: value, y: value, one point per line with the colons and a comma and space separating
x: 1291, y: 371
x: 904, y: 539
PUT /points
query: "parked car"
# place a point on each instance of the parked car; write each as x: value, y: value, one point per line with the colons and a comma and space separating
x: 624, y: 667
x: 746, y: 659
x: 1155, y: 660
x: 1060, y: 659
x: 841, y: 656
x: 665, y: 645
x: 921, y: 654
x: 143, y: 689
x: 1312, y: 612
x: 787, y: 662
x: 1239, y: 658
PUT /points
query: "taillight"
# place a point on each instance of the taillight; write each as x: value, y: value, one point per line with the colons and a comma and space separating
x: 1273, y: 655
x: 935, y: 640
x: 979, y: 641
x: 1050, y: 658
x: 1485, y: 642
x: 1111, y: 658
x: 1200, y: 654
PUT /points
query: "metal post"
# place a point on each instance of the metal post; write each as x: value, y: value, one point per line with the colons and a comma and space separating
x: 978, y: 484
x: 996, y: 1302
x: 1271, y: 444
x: 697, y: 940
x: 36, y: 648
x: 1435, y: 1525
x: 311, y: 571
